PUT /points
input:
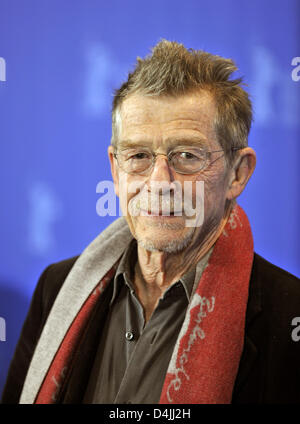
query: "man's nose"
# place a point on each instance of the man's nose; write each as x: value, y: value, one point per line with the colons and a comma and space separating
x: 161, y: 170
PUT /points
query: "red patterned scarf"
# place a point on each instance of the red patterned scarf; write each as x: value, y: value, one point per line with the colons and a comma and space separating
x: 207, y: 353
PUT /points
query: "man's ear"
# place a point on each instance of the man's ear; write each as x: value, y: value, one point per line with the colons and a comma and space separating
x: 241, y: 171
x: 113, y: 168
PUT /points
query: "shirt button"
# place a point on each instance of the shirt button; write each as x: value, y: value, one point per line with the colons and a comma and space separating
x: 129, y: 335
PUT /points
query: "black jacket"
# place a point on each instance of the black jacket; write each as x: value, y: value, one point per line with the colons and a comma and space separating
x: 269, y: 370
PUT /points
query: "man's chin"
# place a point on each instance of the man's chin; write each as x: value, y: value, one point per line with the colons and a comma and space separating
x: 161, y: 222
x: 166, y: 244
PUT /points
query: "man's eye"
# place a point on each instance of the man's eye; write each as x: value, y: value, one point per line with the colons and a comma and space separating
x: 187, y: 156
x: 139, y: 156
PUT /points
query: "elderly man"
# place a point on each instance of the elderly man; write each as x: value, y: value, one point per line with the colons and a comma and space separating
x: 169, y: 304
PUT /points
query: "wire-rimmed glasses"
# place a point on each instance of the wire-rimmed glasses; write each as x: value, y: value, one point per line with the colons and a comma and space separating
x: 183, y: 159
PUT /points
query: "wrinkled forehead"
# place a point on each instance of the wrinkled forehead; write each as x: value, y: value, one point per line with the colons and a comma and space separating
x: 166, y: 117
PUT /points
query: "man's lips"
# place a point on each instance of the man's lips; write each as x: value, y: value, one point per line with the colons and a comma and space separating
x: 160, y: 213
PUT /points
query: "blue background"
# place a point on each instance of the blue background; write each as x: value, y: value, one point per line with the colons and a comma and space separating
x: 63, y: 61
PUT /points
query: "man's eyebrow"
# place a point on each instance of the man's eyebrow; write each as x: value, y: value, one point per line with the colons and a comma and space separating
x: 171, y: 142
x: 127, y: 144
x: 186, y: 141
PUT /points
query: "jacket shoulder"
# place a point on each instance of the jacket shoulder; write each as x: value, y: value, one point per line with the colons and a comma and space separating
x: 273, y: 272
x: 52, y: 280
x: 275, y: 284
x: 276, y: 291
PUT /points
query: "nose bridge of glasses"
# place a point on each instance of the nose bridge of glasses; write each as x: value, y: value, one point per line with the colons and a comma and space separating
x: 155, y: 155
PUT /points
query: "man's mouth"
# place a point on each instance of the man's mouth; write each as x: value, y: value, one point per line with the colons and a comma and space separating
x: 160, y: 212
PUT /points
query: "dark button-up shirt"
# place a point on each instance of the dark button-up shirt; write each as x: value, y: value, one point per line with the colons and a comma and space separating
x: 133, y: 356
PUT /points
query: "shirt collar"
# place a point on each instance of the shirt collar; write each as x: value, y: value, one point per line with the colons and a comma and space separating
x: 125, y: 269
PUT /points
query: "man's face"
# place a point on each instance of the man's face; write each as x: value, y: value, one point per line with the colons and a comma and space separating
x: 162, y: 124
